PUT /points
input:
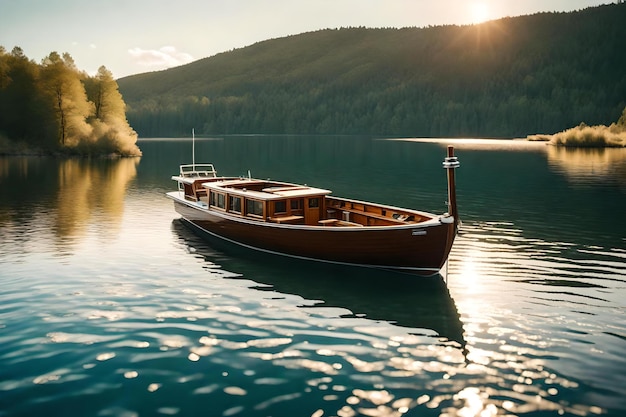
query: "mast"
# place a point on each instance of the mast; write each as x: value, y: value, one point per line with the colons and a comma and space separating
x: 450, y: 164
x: 193, y: 148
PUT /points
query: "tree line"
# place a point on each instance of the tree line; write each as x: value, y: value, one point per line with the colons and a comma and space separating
x: 55, y: 107
x: 508, y: 78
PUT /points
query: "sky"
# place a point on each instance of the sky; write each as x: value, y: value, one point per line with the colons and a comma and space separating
x: 136, y: 36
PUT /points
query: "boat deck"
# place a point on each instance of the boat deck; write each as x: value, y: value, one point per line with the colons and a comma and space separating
x: 290, y: 204
x: 369, y: 214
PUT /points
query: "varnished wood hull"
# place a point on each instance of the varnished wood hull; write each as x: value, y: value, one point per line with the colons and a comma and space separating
x: 420, y: 248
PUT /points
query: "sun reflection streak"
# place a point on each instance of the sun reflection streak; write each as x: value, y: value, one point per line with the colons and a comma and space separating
x: 469, y: 273
x: 490, y: 261
x: 475, y: 403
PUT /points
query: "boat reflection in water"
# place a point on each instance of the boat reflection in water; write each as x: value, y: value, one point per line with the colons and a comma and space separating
x: 423, y: 306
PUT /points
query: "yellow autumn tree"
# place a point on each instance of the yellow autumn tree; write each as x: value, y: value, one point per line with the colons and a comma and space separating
x: 111, y: 131
x: 54, y: 106
x: 61, y: 83
x: 622, y: 120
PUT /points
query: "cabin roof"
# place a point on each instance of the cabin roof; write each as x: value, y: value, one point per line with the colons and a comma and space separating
x: 264, y: 190
x: 192, y: 179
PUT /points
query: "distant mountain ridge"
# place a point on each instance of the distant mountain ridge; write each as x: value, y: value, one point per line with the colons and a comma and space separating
x: 509, y: 77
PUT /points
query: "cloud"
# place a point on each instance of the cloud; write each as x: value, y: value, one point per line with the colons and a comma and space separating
x: 76, y: 44
x: 165, y: 57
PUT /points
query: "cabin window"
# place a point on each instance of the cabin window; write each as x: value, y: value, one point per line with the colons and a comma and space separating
x: 296, y: 204
x: 254, y: 207
x: 234, y: 204
x: 280, y: 206
x: 314, y: 202
x: 217, y: 200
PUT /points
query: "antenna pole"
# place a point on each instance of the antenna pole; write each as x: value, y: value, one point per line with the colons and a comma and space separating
x: 193, y: 148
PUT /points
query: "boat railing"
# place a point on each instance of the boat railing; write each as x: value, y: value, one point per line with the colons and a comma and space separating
x: 198, y: 170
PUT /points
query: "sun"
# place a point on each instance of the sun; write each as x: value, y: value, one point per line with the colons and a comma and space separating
x: 479, y: 12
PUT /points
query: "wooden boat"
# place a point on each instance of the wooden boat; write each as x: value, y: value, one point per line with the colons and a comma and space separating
x: 309, y: 223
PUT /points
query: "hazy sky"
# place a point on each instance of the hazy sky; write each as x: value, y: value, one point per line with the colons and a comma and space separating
x: 135, y: 36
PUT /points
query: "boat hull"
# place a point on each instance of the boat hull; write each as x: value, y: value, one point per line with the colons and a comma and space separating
x: 420, y: 248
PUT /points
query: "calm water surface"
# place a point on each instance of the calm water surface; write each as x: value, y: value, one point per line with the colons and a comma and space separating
x: 109, y: 306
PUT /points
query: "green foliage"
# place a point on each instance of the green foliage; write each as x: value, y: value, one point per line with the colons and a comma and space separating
x: 55, y: 107
x: 508, y: 78
x: 21, y: 97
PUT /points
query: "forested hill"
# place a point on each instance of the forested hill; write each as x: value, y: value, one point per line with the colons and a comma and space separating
x: 504, y: 78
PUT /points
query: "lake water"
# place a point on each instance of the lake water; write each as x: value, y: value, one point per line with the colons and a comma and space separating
x: 109, y: 306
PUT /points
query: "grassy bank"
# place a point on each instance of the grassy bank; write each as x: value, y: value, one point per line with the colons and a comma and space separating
x: 21, y: 148
x: 583, y: 136
x: 586, y: 137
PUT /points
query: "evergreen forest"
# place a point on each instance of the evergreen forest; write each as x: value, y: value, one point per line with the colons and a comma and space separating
x: 53, y: 107
x: 511, y: 77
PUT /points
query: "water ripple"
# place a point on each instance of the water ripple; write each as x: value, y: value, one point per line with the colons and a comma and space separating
x: 525, y: 326
x: 562, y: 295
